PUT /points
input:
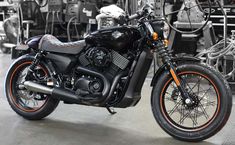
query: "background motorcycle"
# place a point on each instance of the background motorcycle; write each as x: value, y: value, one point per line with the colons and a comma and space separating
x: 190, y: 101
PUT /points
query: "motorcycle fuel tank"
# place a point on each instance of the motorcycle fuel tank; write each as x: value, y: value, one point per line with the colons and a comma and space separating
x: 118, y: 38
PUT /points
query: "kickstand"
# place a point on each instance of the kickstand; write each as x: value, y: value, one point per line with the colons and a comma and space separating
x: 111, y: 110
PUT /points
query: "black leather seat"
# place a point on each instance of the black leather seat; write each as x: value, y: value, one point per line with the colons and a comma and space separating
x: 52, y: 44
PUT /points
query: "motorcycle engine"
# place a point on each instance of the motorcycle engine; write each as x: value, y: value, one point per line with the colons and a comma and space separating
x: 102, y: 59
x: 105, y: 61
x: 99, y: 57
x: 87, y: 84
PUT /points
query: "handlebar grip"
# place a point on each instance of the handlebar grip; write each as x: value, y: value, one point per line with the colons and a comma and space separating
x: 132, y: 17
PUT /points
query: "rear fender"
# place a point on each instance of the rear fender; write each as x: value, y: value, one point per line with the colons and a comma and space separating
x: 33, y: 42
x: 30, y: 57
x: 22, y: 49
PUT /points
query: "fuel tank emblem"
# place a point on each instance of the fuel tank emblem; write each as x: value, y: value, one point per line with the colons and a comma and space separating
x: 117, y: 34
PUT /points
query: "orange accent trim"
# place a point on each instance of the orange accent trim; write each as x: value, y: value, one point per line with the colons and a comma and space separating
x: 175, y: 77
x: 210, y: 121
x: 155, y: 36
x: 166, y: 42
x: 12, y: 98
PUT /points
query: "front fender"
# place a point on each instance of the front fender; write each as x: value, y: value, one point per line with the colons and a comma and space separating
x: 178, y: 60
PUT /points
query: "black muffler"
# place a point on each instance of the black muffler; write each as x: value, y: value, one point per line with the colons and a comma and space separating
x: 59, y: 93
x: 66, y: 96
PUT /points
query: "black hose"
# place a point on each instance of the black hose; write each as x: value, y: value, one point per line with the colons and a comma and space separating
x: 53, y: 22
x: 60, y: 21
x: 47, y: 18
x: 76, y: 29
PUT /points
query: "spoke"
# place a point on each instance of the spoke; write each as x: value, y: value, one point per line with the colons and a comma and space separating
x: 193, y: 120
x: 197, y: 84
x: 22, y: 75
x: 35, y: 102
x: 204, y: 111
x: 174, y: 109
x: 212, y: 103
x: 203, y: 91
x: 170, y: 98
x: 181, y: 121
x: 18, y: 100
x: 168, y: 93
x: 181, y: 113
x: 191, y: 89
x: 26, y: 103
x: 195, y: 115
x: 205, y: 94
x: 198, y: 89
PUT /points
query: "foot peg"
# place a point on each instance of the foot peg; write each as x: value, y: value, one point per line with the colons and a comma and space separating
x: 111, y: 110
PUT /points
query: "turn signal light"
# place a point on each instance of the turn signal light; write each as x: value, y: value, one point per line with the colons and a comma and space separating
x: 155, y: 36
x: 166, y: 42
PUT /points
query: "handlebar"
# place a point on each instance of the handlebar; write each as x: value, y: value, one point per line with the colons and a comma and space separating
x: 139, y: 14
x: 133, y: 17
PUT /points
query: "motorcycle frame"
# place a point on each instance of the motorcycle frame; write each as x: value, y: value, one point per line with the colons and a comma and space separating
x: 136, y: 77
x: 137, y: 74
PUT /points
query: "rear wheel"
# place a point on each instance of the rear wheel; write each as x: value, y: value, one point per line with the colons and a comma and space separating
x: 30, y: 105
x: 209, y: 113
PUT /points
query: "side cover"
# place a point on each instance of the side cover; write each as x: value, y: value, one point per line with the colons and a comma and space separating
x: 133, y: 93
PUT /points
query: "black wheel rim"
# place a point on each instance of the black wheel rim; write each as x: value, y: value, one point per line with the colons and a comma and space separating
x: 23, y: 99
x: 191, y: 118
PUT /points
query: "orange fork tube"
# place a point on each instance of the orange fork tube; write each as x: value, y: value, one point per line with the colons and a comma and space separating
x: 176, y: 79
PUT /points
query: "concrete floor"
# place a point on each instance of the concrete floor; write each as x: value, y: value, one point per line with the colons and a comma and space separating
x: 80, y: 125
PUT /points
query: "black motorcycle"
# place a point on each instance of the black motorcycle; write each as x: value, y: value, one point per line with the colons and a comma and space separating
x: 190, y: 101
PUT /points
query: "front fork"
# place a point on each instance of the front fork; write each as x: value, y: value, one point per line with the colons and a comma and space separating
x: 180, y: 85
x: 166, y: 56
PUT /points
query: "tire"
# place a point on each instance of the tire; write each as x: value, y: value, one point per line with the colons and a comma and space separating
x: 221, y: 104
x: 16, y: 101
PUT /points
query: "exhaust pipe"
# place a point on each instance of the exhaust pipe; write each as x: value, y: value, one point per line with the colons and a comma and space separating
x: 58, y: 93
x: 35, y: 87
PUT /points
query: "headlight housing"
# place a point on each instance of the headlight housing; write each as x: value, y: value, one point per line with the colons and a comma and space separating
x: 166, y: 30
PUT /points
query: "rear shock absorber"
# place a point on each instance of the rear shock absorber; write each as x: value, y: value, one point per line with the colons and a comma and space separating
x: 36, y: 61
x: 34, y: 64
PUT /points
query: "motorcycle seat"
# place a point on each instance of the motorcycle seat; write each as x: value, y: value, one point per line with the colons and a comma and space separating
x: 52, y: 44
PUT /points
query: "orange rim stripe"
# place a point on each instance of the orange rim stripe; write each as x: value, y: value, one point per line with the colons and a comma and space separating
x: 11, y: 91
x: 214, y: 116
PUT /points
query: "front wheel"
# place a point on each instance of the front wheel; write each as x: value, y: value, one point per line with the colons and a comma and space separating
x: 211, y: 109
